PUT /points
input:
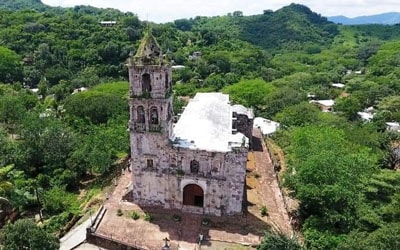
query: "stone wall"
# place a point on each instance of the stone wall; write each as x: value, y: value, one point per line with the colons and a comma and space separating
x: 244, y: 125
x: 220, y: 175
x: 109, y: 243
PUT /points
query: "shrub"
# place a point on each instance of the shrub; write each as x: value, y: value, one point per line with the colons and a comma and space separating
x: 119, y: 212
x: 135, y: 215
x: 148, y: 217
x: 264, y: 211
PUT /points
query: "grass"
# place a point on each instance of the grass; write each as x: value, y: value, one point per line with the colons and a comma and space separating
x: 264, y: 211
x: 147, y: 217
x: 135, y: 215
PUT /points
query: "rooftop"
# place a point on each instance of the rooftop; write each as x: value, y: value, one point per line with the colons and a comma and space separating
x: 149, y: 51
x: 240, y: 109
x: 327, y: 103
x: 266, y: 126
x: 206, y: 124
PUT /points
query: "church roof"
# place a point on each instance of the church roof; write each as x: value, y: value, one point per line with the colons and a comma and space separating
x: 206, y: 124
x: 149, y: 51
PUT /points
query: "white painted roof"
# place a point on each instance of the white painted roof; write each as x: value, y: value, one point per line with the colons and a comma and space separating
x: 206, y: 124
x: 240, y: 109
x: 338, y: 85
x: 267, y: 126
x: 108, y: 22
x: 81, y: 89
x: 393, y: 126
x: 365, y: 116
x: 178, y: 67
x: 327, y: 103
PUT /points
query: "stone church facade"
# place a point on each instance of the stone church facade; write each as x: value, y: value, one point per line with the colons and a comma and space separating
x: 198, y: 164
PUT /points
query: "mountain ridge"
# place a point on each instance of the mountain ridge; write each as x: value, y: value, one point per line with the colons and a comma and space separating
x: 388, y: 18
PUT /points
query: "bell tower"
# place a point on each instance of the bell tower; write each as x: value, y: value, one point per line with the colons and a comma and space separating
x: 150, y: 105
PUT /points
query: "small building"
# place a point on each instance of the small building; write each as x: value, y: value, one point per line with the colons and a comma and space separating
x: 338, y: 85
x: 78, y: 90
x: 311, y: 96
x: 196, y: 55
x: 325, y: 105
x: 367, y: 114
x: 108, y: 23
x: 393, y: 126
x: 266, y: 126
x: 178, y: 67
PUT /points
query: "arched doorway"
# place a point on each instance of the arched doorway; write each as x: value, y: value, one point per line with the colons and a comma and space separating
x: 193, y: 195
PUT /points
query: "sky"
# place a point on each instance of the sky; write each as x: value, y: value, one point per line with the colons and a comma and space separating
x: 161, y: 11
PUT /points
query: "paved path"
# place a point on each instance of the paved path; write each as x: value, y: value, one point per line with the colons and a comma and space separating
x: 270, y: 191
x: 74, y: 237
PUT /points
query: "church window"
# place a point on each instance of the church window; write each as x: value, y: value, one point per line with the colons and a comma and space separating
x: 194, y: 167
x: 146, y: 83
x: 169, y: 112
x: 150, y: 163
x: 166, y: 81
x: 140, y: 115
x: 154, y: 116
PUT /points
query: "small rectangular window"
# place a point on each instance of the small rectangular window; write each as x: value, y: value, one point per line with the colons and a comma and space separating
x: 149, y: 163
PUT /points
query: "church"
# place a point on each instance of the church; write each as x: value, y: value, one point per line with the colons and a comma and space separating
x: 197, y: 164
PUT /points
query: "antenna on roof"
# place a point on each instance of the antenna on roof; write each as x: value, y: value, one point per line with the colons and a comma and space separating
x: 147, y: 29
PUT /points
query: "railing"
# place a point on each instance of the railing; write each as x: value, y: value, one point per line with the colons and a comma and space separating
x: 140, y: 126
x: 154, y: 128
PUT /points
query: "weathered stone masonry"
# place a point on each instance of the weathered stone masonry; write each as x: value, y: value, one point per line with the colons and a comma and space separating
x: 170, y: 170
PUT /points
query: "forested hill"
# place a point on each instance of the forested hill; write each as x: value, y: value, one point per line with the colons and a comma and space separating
x: 23, y: 4
x: 63, y: 43
x: 290, y: 26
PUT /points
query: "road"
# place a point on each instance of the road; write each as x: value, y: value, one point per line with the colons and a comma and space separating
x: 74, y: 237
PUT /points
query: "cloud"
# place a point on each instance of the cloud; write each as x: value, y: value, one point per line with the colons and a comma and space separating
x: 163, y: 11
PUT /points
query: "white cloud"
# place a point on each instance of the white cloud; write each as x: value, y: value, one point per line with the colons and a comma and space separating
x: 168, y: 10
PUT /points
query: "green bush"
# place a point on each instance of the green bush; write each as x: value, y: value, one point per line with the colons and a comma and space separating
x: 148, y: 217
x: 135, y: 215
x: 264, y: 211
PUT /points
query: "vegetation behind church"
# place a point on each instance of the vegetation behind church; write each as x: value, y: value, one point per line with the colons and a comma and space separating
x: 339, y: 167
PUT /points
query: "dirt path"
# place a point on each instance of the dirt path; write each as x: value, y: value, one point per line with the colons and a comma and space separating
x: 267, y: 187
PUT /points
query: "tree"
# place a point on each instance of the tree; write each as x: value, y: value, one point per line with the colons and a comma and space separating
x: 349, y: 106
x: 327, y: 175
x: 11, y: 109
x: 95, y: 106
x: 25, y: 234
x: 10, y: 67
x: 391, y: 104
x: 300, y: 114
x: 5, y: 187
x: 278, y: 242
x: 250, y: 93
x: 386, y: 237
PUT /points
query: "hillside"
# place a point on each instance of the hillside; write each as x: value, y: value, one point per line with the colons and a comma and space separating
x: 289, y: 27
x: 389, y: 18
x: 23, y: 4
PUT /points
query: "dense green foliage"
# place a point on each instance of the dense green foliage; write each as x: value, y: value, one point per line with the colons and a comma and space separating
x: 24, y: 234
x: 278, y: 242
x: 340, y: 168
